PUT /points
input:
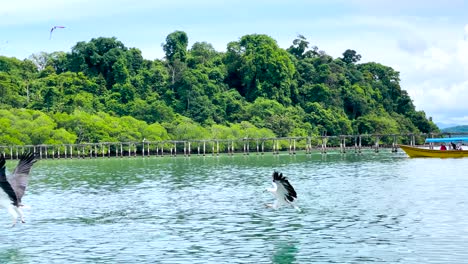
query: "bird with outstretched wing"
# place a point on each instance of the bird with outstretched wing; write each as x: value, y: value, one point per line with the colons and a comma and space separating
x: 283, y: 191
x: 13, y: 187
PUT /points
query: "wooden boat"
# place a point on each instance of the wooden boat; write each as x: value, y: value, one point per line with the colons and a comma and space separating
x: 436, y: 152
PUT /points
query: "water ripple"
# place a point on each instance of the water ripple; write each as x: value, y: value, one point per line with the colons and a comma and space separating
x: 380, y: 208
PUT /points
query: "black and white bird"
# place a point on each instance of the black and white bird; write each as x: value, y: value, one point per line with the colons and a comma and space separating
x: 283, y: 191
x: 13, y: 186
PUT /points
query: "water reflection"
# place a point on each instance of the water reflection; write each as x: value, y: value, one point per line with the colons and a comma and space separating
x: 12, y: 255
x: 284, y: 252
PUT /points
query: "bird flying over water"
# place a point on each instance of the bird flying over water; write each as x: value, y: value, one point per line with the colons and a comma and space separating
x: 283, y: 191
x: 52, y: 30
x: 12, y: 187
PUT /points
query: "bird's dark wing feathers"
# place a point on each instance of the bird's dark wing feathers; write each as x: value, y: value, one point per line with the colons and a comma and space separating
x: 4, y: 184
x: 20, y: 176
x: 279, y: 178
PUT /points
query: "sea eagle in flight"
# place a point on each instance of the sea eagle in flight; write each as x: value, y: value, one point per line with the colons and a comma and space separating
x: 52, y: 30
x: 283, y: 191
x: 12, y: 187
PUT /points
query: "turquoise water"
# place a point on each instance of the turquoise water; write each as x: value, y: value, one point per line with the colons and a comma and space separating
x: 382, y: 208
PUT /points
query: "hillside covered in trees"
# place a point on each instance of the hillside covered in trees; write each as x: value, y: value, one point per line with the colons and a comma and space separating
x: 455, y: 129
x: 103, y: 91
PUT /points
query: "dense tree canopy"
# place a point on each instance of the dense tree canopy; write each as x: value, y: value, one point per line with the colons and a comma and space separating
x: 104, y: 91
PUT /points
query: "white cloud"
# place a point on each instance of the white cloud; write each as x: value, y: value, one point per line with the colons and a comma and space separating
x: 462, y: 52
x: 446, y: 103
x: 437, y: 96
x: 433, y: 59
x: 433, y: 65
x: 412, y: 44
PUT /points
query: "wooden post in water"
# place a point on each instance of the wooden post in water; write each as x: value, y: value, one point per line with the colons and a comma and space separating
x: 394, y: 144
x: 342, y: 145
x: 294, y: 146
x: 377, y: 144
x: 355, y: 144
x: 324, y: 145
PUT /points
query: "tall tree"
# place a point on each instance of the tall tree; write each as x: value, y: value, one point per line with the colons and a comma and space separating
x: 351, y: 56
x: 300, y: 46
x: 265, y: 69
x: 175, y: 49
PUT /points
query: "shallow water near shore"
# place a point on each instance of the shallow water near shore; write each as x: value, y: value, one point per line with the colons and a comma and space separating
x: 383, y: 208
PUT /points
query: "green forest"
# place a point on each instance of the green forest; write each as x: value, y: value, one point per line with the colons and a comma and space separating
x: 103, y: 91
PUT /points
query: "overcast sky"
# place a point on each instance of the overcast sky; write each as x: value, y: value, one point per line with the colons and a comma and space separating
x: 426, y: 41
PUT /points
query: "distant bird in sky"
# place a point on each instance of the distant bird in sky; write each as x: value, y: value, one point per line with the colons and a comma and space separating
x: 12, y: 187
x: 52, y: 30
x: 283, y: 191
